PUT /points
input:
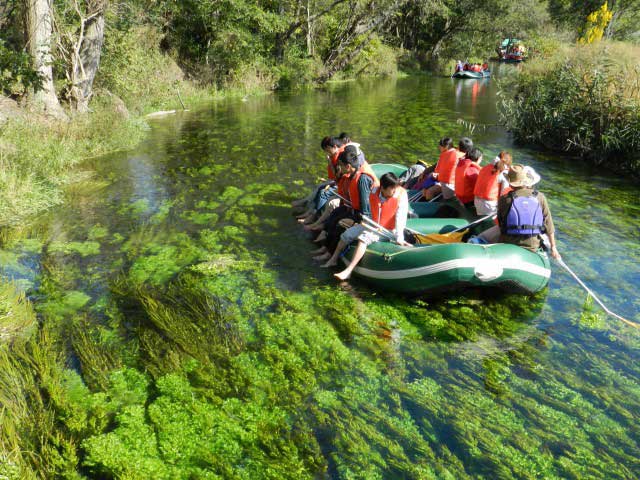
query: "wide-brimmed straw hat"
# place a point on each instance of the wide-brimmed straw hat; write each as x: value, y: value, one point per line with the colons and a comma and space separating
x: 424, y: 163
x: 517, y: 176
x: 532, y: 176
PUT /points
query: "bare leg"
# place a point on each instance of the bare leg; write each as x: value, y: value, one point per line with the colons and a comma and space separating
x: 330, y: 207
x: 322, y: 237
x: 315, y: 226
x: 491, y: 235
x: 429, y: 193
x: 319, y: 251
x: 323, y: 257
x: 357, y: 256
x: 309, y: 212
x: 333, y: 261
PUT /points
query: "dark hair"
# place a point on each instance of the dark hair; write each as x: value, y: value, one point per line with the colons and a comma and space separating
x: 446, y: 142
x: 349, y: 156
x: 465, y: 144
x: 344, y: 137
x: 389, y: 179
x: 330, y: 142
x: 474, y: 154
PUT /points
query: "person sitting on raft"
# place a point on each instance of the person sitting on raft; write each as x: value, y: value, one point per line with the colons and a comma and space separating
x: 389, y: 208
x: 524, y: 216
x: 491, y: 184
x: 361, y: 180
x: 466, y: 175
x: 332, y: 146
x: 413, y: 174
x: 346, y: 140
x: 445, y: 170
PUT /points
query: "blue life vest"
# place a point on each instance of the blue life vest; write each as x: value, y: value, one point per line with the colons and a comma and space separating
x: 525, y: 216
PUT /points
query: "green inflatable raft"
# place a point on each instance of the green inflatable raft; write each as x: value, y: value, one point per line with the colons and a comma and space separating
x: 431, y: 268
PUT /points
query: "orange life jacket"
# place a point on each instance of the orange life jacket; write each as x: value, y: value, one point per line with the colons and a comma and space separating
x: 487, y: 186
x: 385, y: 213
x: 333, y: 163
x: 446, y: 166
x: 343, y: 186
x: 466, y: 180
x: 354, y: 193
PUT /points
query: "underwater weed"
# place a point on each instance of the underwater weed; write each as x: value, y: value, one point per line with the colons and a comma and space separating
x: 97, y: 357
x: 192, y: 318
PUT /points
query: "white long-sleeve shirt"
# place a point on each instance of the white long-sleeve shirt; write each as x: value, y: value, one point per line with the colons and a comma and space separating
x: 401, y: 214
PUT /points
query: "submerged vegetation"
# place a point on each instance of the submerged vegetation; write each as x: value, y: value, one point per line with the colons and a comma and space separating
x: 583, y: 99
x: 177, y: 332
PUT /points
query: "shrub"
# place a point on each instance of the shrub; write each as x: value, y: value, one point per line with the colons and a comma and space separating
x: 584, y: 100
x: 130, y: 60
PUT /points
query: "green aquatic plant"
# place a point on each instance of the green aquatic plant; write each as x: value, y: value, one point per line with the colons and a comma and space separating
x: 83, y: 249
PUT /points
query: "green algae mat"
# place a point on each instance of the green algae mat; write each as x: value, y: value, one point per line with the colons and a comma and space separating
x: 177, y: 328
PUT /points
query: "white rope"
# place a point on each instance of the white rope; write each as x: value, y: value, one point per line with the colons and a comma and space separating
x: 593, y: 295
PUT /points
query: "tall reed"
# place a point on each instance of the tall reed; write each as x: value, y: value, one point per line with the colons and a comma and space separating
x: 584, y: 100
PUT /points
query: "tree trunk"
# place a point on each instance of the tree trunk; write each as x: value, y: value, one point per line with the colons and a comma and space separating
x: 39, y: 33
x: 309, y: 32
x: 435, y: 51
x: 87, y: 61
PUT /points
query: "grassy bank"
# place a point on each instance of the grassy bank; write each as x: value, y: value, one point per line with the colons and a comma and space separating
x: 582, y: 99
x: 39, y: 156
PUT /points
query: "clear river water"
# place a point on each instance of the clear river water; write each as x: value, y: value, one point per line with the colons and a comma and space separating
x: 181, y: 264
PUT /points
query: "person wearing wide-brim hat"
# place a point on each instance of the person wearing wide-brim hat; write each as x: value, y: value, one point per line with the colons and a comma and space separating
x: 523, y: 214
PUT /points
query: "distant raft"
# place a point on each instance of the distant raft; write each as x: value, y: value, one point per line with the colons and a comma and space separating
x: 472, y: 75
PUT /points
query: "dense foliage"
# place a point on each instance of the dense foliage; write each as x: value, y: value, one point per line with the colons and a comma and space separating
x: 585, y: 102
x: 573, y: 14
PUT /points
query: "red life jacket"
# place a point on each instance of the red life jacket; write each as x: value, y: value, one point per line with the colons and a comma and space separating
x: 487, y: 186
x: 466, y: 176
x: 385, y: 213
x: 332, y: 163
x: 446, y: 166
x: 354, y: 193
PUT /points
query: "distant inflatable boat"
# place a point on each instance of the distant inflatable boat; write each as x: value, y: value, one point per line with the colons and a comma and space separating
x: 473, y: 75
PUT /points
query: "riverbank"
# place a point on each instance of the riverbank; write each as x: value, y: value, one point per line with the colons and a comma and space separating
x: 583, y: 100
x: 41, y: 155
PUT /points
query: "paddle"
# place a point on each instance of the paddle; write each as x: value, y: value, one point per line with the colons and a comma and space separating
x: 459, y: 229
x: 593, y: 295
x: 415, y: 197
x: 371, y: 224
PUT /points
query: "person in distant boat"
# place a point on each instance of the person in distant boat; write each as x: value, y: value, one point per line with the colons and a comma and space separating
x: 485, y: 67
x: 491, y: 184
x: 523, y: 214
x: 389, y: 208
x: 459, y: 66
